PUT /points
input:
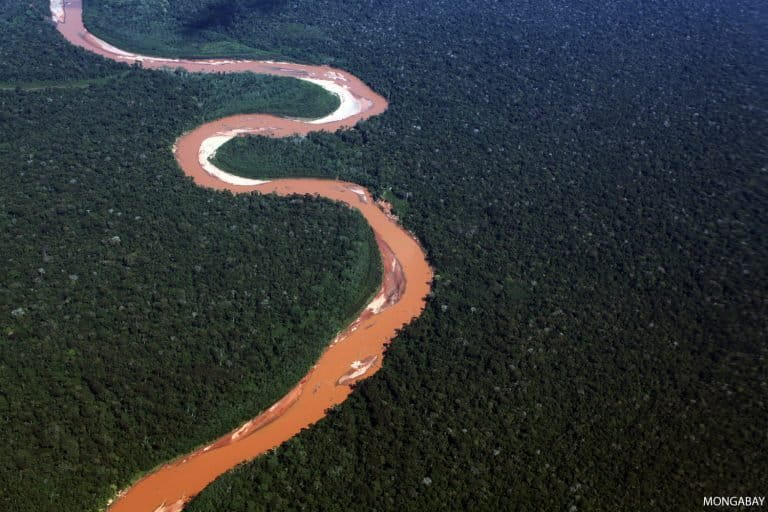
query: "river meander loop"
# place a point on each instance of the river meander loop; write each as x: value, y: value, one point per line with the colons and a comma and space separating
x: 353, y: 355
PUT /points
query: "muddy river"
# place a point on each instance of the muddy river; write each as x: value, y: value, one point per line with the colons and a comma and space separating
x: 354, y: 354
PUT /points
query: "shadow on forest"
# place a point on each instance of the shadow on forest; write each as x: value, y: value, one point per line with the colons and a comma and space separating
x: 222, y: 13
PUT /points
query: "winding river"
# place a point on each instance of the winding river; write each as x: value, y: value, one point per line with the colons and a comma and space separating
x: 354, y: 354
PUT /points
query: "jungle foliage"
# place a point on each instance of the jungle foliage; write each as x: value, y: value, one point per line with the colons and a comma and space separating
x: 31, y: 51
x: 318, y: 154
x: 589, y: 180
x: 180, y: 28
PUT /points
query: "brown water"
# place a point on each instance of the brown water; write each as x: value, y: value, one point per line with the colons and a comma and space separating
x: 356, y: 353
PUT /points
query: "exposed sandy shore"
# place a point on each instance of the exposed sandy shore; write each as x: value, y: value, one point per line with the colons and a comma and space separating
x: 357, y: 370
x: 57, y: 10
x: 355, y: 353
x: 208, y: 150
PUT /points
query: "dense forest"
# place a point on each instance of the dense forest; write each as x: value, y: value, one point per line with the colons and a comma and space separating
x: 589, y: 180
x: 186, y: 28
x: 32, y: 51
x: 318, y: 154
x: 141, y: 316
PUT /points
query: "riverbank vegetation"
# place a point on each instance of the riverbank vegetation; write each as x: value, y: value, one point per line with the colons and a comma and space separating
x: 195, y: 29
x: 31, y: 51
x: 319, y: 154
x: 589, y: 182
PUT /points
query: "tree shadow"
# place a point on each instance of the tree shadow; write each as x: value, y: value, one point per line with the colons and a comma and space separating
x: 223, y: 13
